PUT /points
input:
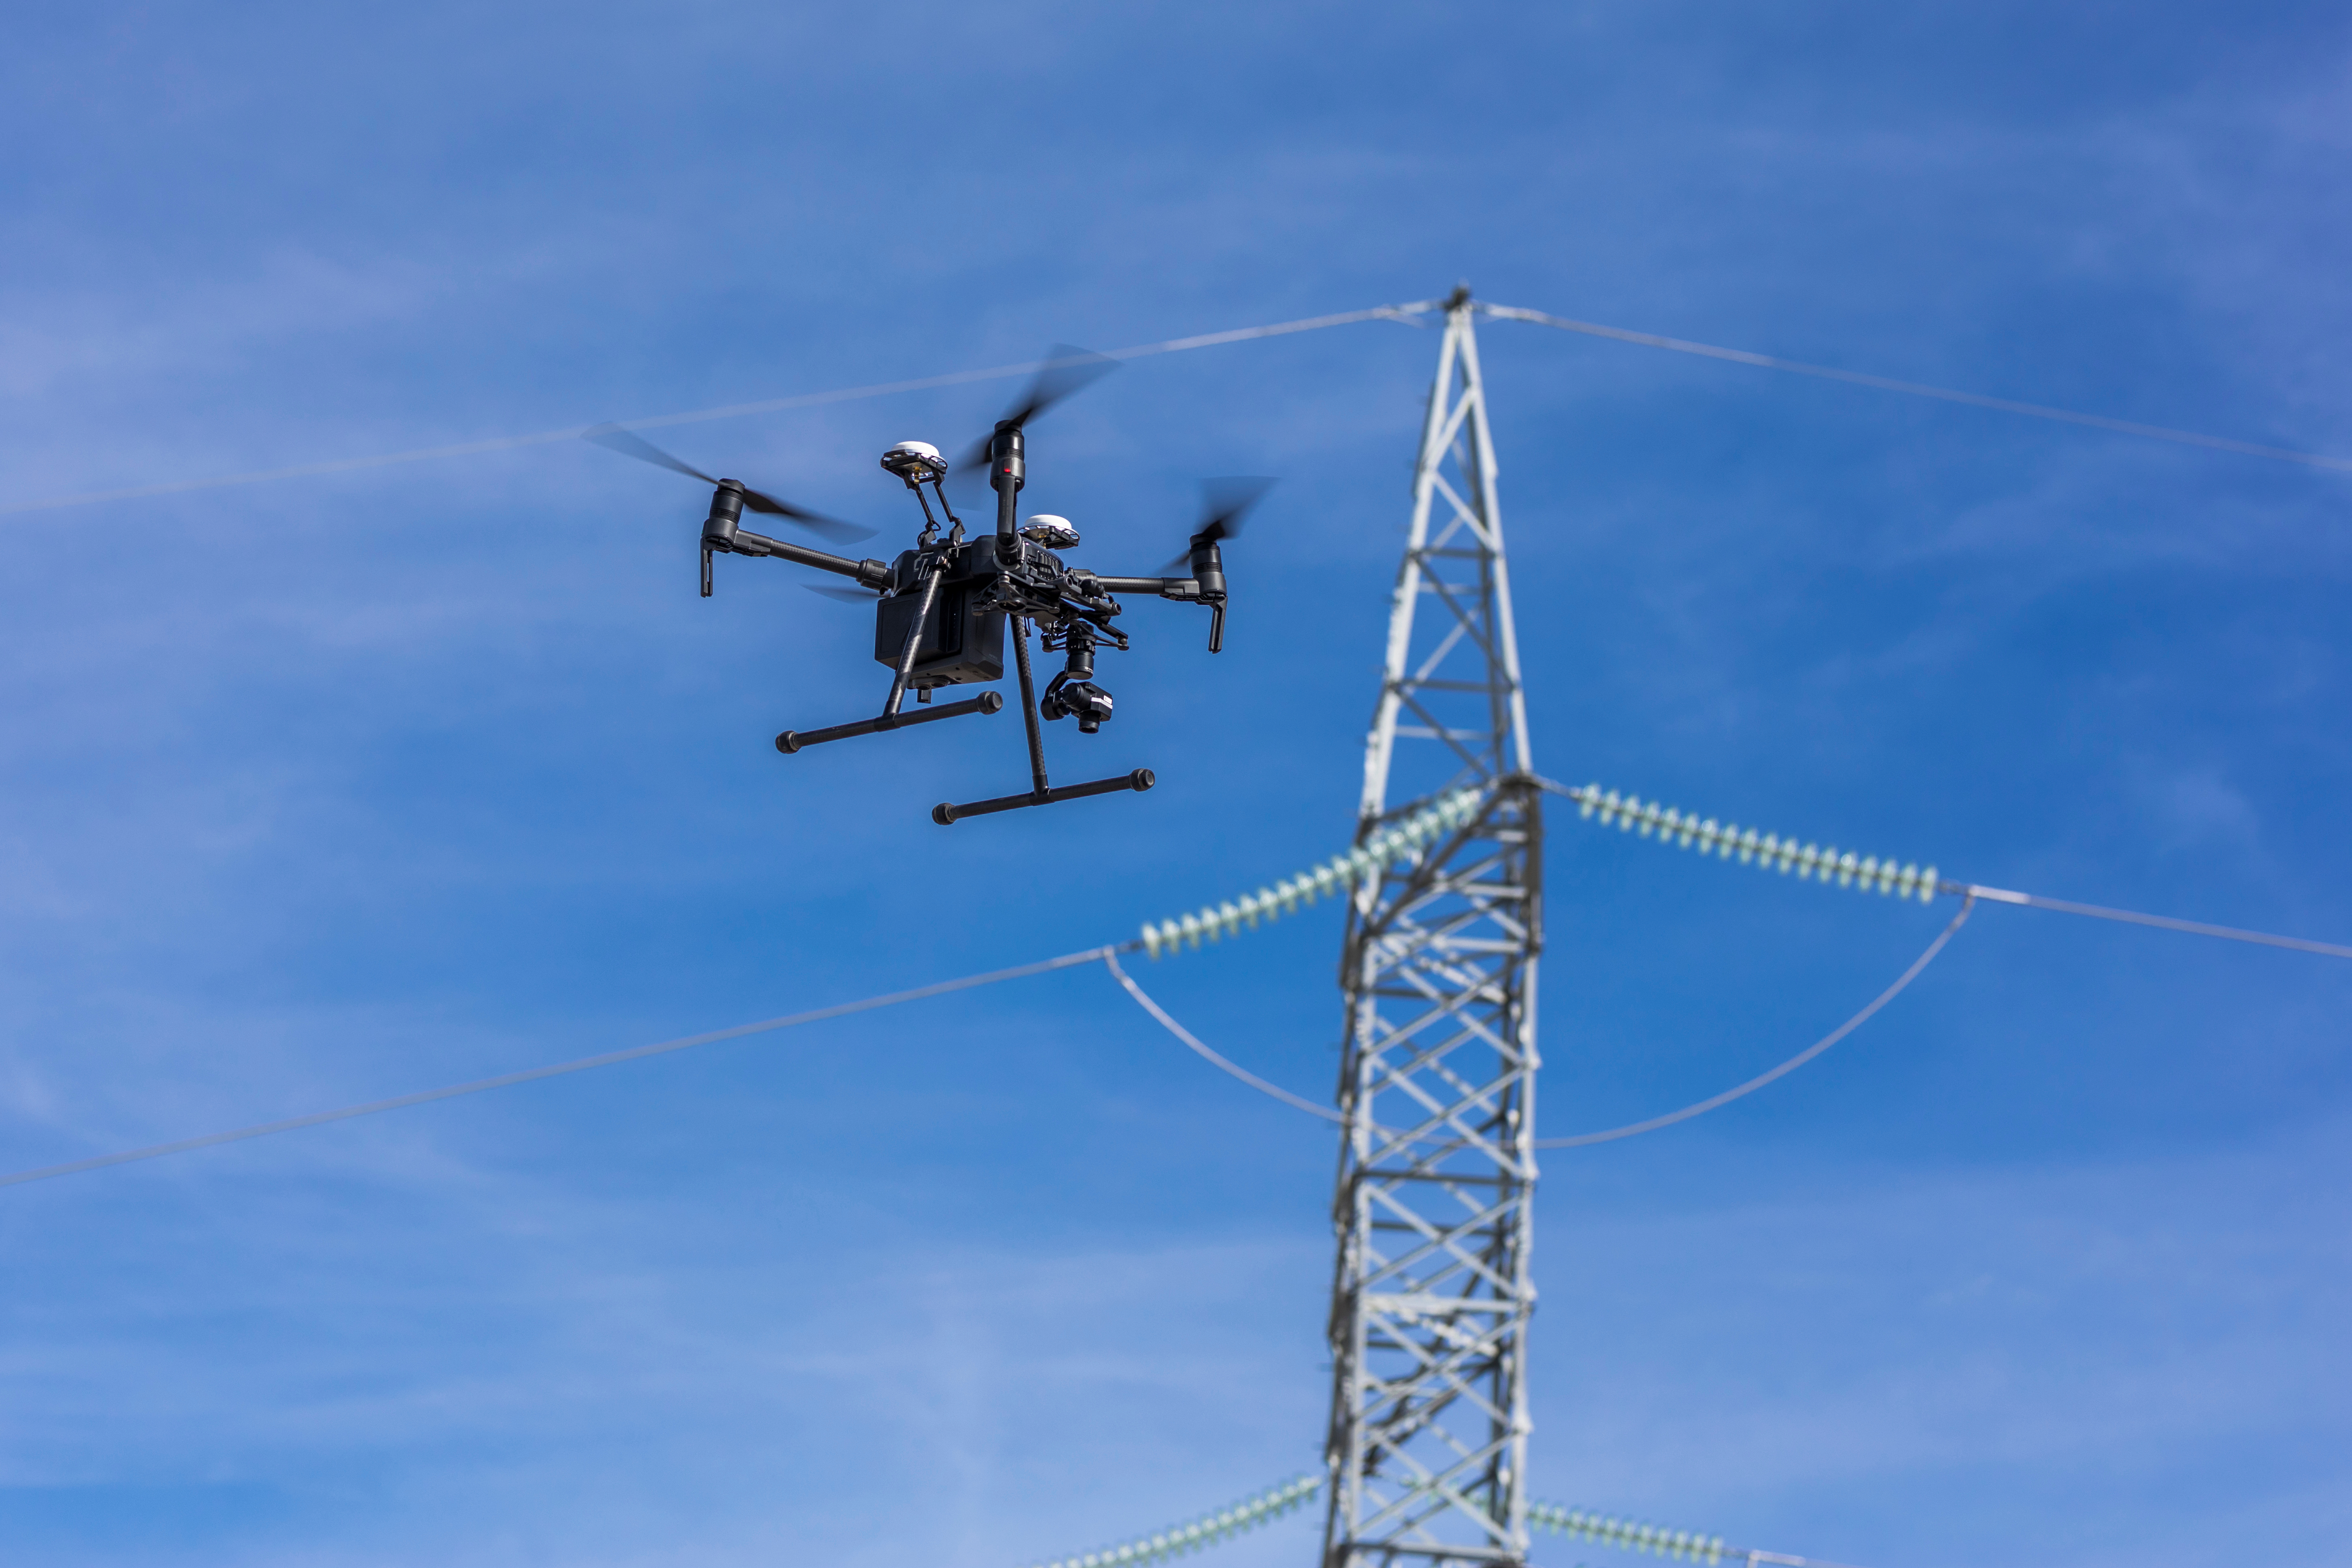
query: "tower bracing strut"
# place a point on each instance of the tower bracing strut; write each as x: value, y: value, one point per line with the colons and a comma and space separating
x: 1431, y: 1295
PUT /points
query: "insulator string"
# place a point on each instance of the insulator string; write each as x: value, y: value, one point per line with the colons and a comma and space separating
x: 1766, y: 850
x: 1213, y: 1529
x: 1402, y: 842
x: 1220, y: 1525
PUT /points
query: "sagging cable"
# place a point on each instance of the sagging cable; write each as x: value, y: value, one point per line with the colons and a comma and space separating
x: 1402, y: 840
x: 1770, y: 849
x: 1209, y: 1529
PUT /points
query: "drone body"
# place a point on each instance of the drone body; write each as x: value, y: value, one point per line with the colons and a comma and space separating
x: 956, y: 643
x: 943, y: 607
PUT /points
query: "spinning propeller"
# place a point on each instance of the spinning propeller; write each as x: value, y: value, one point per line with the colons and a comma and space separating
x: 629, y: 444
x: 1225, y: 505
x: 1066, y: 370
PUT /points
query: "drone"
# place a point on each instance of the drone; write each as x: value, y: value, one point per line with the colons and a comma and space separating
x: 941, y: 608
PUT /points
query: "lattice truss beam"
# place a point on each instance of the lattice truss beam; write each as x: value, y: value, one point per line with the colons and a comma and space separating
x: 1452, y: 676
x: 1429, y: 1419
x: 1431, y: 1297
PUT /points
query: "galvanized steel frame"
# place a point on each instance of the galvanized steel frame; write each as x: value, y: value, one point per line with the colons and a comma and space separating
x: 1431, y: 1298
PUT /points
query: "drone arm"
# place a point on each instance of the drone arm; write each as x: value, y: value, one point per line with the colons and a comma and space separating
x: 1184, y: 590
x: 1181, y: 588
x: 873, y: 574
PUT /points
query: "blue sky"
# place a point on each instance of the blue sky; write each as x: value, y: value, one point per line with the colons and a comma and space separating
x: 335, y: 788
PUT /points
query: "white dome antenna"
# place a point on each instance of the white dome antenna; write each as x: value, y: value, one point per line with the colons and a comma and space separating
x: 1053, y: 532
x: 917, y: 462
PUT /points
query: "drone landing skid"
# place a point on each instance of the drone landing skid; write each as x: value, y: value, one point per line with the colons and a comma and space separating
x: 1040, y: 792
x: 945, y: 815
x: 986, y: 703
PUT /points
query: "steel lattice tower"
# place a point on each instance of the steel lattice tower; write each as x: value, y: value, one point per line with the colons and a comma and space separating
x: 1431, y: 1297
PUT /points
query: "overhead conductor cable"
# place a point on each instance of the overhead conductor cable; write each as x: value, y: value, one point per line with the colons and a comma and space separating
x: 1407, y: 313
x: 725, y: 411
x: 1402, y: 842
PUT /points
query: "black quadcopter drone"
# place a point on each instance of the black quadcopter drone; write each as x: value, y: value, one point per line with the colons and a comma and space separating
x: 940, y: 609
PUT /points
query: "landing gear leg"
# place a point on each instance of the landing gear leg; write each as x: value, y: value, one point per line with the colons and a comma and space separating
x: 1041, y: 794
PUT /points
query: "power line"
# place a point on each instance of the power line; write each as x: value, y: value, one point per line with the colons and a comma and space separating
x: 2162, y: 923
x: 1608, y: 1135
x: 1221, y: 1064
x: 1107, y: 955
x: 1404, y: 312
x: 1410, y: 835
x: 1611, y: 1134
x: 532, y: 1075
x: 1920, y: 389
x: 726, y: 411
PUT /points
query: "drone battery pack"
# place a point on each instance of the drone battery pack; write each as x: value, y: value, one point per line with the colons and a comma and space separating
x: 957, y: 645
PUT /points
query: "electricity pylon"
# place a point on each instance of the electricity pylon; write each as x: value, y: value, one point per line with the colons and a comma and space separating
x: 1431, y: 1297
